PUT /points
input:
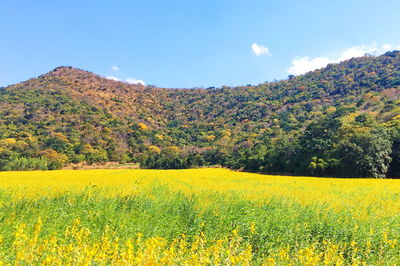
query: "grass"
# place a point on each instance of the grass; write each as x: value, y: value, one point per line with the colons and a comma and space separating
x: 206, y: 216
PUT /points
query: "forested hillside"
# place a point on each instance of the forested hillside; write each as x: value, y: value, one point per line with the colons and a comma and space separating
x: 343, y: 120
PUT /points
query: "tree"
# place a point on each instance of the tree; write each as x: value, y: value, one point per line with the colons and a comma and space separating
x: 283, y: 156
x: 320, y: 137
x: 55, y: 160
x: 394, y: 167
x: 366, y: 154
x: 318, y: 145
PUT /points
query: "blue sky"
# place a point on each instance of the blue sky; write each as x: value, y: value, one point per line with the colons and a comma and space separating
x: 199, y: 43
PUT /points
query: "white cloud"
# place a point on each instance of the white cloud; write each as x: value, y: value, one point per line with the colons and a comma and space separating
x: 135, y: 81
x: 113, y: 78
x: 305, y: 64
x: 129, y: 80
x: 115, y: 68
x: 259, y: 49
x: 387, y: 47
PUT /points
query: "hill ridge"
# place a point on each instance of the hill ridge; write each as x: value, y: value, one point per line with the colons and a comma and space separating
x: 87, y: 117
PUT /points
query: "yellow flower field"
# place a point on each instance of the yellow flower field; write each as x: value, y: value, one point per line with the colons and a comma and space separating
x: 196, y: 216
x: 355, y: 194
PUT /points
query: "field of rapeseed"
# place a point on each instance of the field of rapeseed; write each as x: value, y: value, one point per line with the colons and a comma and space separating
x: 199, y: 216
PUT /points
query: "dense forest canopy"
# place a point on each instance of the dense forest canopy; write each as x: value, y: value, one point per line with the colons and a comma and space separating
x: 342, y: 120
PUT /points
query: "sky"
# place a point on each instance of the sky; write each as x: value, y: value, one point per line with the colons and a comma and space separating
x: 185, y: 44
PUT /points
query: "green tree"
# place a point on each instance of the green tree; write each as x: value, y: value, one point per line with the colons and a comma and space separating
x: 394, y: 167
x: 366, y: 154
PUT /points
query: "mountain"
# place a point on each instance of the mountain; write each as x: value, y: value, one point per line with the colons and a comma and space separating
x: 70, y: 115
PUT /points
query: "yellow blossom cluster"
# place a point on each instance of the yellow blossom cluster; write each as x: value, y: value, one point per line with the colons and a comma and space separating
x: 77, y: 248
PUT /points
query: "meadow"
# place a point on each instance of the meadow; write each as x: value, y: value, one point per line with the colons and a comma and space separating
x: 197, y: 216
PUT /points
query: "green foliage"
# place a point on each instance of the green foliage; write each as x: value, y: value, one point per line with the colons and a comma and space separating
x: 320, y: 137
x: 394, y: 167
x: 318, y: 166
x: 25, y: 164
x: 275, y: 127
x: 171, y: 158
x: 365, y: 119
x: 366, y: 154
x: 95, y: 155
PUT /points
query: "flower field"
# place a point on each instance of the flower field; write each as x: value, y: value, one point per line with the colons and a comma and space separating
x: 198, y: 216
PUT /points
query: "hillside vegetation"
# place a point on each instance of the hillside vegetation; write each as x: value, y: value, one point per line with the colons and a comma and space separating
x: 342, y: 120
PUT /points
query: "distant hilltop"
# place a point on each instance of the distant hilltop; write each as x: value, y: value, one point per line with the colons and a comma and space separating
x: 70, y: 116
